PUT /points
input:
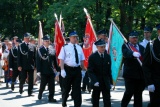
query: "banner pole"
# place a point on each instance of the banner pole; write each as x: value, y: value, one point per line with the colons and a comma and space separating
x: 88, y: 18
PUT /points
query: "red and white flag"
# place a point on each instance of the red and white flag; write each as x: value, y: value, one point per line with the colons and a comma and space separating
x: 40, y: 35
x: 89, y: 39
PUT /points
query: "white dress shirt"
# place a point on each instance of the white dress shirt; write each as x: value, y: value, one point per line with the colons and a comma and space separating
x: 94, y: 48
x: 144, y: 43
x: 67, y: 54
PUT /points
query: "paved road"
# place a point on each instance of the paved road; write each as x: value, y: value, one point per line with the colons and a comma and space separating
x: 14, y: 99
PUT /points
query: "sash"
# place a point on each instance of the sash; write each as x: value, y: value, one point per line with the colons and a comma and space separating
x: 135, y: 50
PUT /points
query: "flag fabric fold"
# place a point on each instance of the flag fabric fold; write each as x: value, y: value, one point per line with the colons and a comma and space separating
x: 58, y: 40
x: 116, y: 41
x: 89, y: 38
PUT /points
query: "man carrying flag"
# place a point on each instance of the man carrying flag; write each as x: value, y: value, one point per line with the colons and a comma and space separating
x: 133, y: 74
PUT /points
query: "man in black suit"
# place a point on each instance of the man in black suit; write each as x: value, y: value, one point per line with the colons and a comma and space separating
x: 99, y: 70
x: 151, y: 68
x: 13, y: 62
x: 26, y: 63
x: 46, y: 63
x: 132, y: 71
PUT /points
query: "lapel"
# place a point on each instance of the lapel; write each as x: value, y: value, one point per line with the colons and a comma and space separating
x: 98, y: 58
x: 24, y: 47
x: 44, y: 53
x: 15, y: 50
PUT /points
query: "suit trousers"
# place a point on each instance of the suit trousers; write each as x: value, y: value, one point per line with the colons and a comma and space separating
x: 96, y: 95
x: 73, y: 78
x: 24, y: 74
x: 155, y: 97
x: 47, y: 78
x: 134, y: 87
x: 16, y: 73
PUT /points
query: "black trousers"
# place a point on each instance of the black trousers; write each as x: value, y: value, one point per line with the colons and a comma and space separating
x: 96, y: 95
x: 47, y: 78
x: 155, y: 97
x: 30, y: 79
x: 73, y: 77
x: 134, y: 87
x: 16, y: 73
x: 86, y: 83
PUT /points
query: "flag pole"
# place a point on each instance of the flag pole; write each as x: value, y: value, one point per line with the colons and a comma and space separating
x: 124, y: 38
x: 55, y: 15
x: 88, y: 18
x: 118, y: 29
x: 40, y: 32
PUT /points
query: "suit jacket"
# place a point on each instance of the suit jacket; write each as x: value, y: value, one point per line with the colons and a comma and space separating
x: 26, y: 56
x: 13, y: 58
x: 132, y: 68
x: 150, y: 66
x: 100, y: 70
x: 46, y: 66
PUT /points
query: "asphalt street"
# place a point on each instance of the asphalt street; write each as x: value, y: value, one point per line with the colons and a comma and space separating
x: 10, y: 98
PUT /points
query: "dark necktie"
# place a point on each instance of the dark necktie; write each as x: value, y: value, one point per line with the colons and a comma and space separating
x: 27, y: 47
x: 76, y: 54
x: 102, y: 56
x: 47, y: 50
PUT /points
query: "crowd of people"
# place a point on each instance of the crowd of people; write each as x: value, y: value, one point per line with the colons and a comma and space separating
x: 24, y: 60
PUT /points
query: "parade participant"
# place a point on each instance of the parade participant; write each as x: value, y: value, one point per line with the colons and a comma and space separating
x: 1, y: 70
x: 13, y: 62
x: 99, y: 70
x: 4, y: 45
x: 147, y: 36
x: 102, y: 34
x: 6, y: 64
x: 71, y: 58
x: 46, y: 63
x: 132, y: 71
x: 151, y: 68
x: 85, y: 77
x: 33, y: 42
x: 26, y: 63
x: 14, y: 40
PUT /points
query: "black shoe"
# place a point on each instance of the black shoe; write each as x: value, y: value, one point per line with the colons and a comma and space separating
x: 89, y: 90
x: 7, y: 86
x: 12, y: 87
x: 83, y: 90
x: 21, y: 91
x: 29, y: 95
x: 39, y: 96
x: 52, y: 100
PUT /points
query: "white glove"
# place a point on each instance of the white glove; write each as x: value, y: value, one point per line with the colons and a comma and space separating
x: 83, y: 73
x: 136, y: 54
x: 57, y: 74
x: 151, y: 88
x: 111, y: 86
x: 63, y: 73
x: 96, y: 84
x: 39, y: 74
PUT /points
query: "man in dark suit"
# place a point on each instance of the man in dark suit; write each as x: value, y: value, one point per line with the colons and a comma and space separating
x: 13, y: 62
x: 26, y: 63
x: 151, y: 68
x: 132, y: 71
x: 46, y: 63
x: 99, y: 70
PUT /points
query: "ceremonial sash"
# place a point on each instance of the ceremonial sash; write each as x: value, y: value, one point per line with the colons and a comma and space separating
x: 135, y: 50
